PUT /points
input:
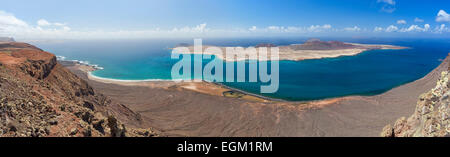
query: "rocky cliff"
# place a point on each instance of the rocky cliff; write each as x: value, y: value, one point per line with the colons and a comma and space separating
x: 39, y: 97
x: 432, y: 115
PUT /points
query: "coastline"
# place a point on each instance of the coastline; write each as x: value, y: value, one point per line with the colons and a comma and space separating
x: 287, y: 53
x: 252, y: 94
x: 194, y: 85
x: 92, y: 76
x: 202, y: 109
x: 185, y: 110
x: 208, y: 88
x: 166, y: 83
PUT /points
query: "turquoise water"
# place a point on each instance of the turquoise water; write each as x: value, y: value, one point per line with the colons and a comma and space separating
x: 368, y: 73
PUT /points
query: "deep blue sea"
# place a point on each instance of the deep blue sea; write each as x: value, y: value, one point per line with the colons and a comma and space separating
x: 369, y: 73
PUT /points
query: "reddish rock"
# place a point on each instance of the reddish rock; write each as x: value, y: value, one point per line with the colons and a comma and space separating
x: 431, y: 117
x: 39, y: 97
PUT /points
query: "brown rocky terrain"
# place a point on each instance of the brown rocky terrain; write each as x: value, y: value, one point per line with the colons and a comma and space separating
x: 432, y: 114
x: 193, y: 111
x: 39, y: 97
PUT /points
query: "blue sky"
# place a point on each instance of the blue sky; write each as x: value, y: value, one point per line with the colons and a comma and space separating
x: 223, y: 18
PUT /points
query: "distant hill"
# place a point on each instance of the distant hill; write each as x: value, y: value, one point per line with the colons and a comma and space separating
x: 316, y: 44
x: 266, y: 45
x: 6, y: 39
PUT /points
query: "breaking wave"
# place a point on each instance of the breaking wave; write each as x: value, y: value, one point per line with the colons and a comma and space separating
x: 95, y: 66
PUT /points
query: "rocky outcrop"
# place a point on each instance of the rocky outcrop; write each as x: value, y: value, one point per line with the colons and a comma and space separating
x: 39, y: 97
x: 432, y: 115
x: 39, y: 63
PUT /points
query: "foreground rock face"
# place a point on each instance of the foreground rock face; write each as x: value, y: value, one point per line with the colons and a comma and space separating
x: 39, y: 97
x: 432, y: 115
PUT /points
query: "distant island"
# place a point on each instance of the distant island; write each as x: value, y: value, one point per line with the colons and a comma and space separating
x: 6, y: 39
x: 311, y: 49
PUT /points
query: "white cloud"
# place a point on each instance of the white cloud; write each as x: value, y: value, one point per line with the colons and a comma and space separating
x: 401, y: 22
x: 416, y: 28
x: 65, y: 28
x: 7, y: 19
x: 319, y: 28
x: 413, y: 28
x: 291, y: 29
x: 59, y: 24
x: 378, y: 29
x: 426, y: 27
x: 442, y: 28
x: 443, y: 16
x: 388, y: 5
x: 12, y: 26
x: 275, y: 28
x: 391, y: 28
x: 418, y: 20
x: 282, y: 29
x: 353, y: 29
x: 43, y: 22
x: 327, y: 26
x: 390, y: 2
x: 201, y: 28
x: 43, y: 29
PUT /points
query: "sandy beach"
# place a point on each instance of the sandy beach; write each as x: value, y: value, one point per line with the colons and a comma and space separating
x: 202, y: 109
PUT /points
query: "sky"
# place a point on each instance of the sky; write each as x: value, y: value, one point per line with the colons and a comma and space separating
x: 106, y: 19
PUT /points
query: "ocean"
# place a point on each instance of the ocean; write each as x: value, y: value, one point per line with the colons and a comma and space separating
x: 368, y: 73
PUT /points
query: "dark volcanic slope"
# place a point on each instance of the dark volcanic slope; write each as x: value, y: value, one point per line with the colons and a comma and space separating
x: 365, y: 116
x: 186, y: 113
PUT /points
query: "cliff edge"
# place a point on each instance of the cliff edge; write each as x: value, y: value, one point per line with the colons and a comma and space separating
x: 39, y: 97
x: 432, y: 115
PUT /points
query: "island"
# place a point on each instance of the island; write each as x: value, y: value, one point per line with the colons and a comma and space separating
x: 6, y: 39
x: 311, y: 49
